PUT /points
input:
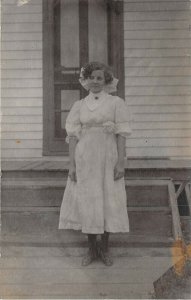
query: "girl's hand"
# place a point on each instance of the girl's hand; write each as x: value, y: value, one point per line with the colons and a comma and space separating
x: 119, y: 170
x: 72, y: 173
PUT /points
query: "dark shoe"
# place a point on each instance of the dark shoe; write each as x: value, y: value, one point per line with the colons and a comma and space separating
x: 105, y: 257
x: 88, y: 258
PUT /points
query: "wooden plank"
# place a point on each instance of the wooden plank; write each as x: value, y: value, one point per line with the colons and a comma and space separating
x: 85, y: 291
x: 140, y: 1
x: 45, y: 223
x: 166, y: 109
x: 157, y: 34
x: 157, y: 6
x: 147, y: 182
x: 17, y: 55
x: 38, y: 209
x: 18, y: 83
x: 22, y: 111
x: 22, y: 119
x: 21, y: 18
x: 57, y: 262
x: 154, y: 81
x: 22, y: 93
x: 16, y: 102
x: 21, y: 45
x: 156, y: 53
x: 157, y: 117
x: 158, y: 100
x: 19, y: 28
x: 8, y: 252
x: 21, y: 153
x: 157, y: 44
x: 162, y: 133
x: 188, y: 196
x: 58, y: 276
x: 161, y: 125
x: 23, y: 9
x: 159, y: 142
x: 20, y: 128
x: 22, y: 135
x: 178, y: 152
x: 175, y: 214
x: 157, y: 15
x: 157, y: 71
x: 156, y: 91
x: 15, y: 2
x: 21, y: 144
x: 33, y: 36
x: 22, y: 74
x: 154, y: 25
x: 22, y: 64
x: 158, y: 62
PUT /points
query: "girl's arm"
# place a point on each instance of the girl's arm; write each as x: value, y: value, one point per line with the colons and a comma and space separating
x: 72, y: 147
x: 119, y: 168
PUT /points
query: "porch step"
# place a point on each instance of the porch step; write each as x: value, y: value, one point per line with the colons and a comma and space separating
x: 30, y: 211
x: 53, y: 273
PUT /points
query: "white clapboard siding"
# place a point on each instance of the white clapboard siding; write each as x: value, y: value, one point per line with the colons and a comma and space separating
x: 21, y: 135
x: 18, y: 83
x: 22, y: 119
x: 158, y: 77
x: 150, y: 117
x: 21, y: 45
x: 159, y: 100
x: 20, y: 102
x: 159, y: 142
x: 23, y: 9
x: 162, y: 133
x: 22, y: 82
x: 157, y: 25
x: 22, y: 74
x: 11, y: 55
x: 22, y: 18
x: 22, y: 64
x: 165, y: 81
x: 16, y: 2
x: 178, y: 52
x: 22, y: 111
x: 158, y: 125
x: 15, y: 153
x: 19, y: 28
x: 161, y: 109
x: 7, y: 127
x: 14, y: 36
x: 157, y: 71
x: 21, y: 144
x: 153, y: 152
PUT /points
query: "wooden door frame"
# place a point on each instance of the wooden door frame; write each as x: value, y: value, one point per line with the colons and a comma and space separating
x: 115, y: 60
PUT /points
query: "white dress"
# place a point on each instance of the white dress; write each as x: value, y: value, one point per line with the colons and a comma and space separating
x: 96, y: 203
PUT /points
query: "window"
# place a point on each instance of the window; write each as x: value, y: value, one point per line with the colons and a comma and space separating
x: 75, y: 32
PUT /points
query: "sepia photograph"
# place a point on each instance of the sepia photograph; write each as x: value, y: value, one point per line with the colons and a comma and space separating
x: 95, y: 149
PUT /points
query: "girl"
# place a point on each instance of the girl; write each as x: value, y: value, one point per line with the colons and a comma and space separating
x: 95, y: 198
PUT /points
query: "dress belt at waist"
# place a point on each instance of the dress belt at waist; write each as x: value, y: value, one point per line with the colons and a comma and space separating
x: 92, y: 125
x: 108, y: 127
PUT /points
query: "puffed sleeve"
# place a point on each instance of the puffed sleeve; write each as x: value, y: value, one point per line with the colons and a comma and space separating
x: 73, y: 125
x: 122, y: 118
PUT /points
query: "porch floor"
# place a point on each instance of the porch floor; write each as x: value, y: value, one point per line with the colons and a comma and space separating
x: 56, y: 272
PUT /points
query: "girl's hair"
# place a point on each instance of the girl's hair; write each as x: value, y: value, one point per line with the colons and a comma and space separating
x: 93, y: 66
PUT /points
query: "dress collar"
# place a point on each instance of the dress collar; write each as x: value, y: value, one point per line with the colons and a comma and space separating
x: 94, y: 100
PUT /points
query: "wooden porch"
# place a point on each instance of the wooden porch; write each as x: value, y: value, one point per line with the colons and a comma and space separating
x: 40, y: 261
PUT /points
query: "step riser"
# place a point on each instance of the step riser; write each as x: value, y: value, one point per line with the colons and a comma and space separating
x: 158, y: 223
x: 136, y: 196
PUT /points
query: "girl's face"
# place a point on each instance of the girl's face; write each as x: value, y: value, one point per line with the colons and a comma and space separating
x: 96, y: 81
